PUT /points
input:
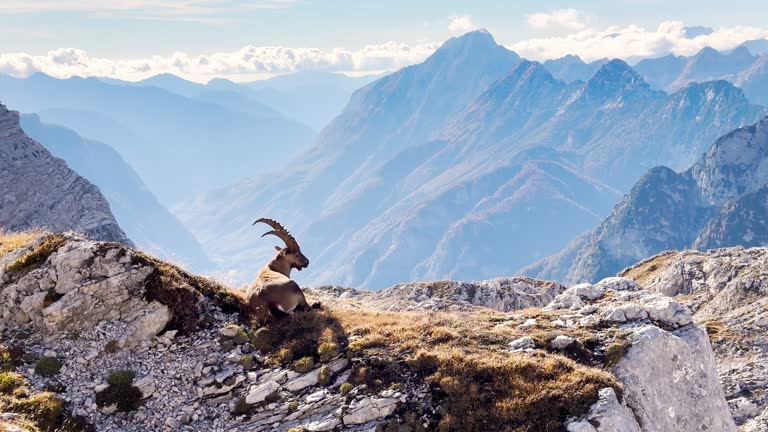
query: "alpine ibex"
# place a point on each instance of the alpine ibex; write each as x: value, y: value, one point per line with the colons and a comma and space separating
x: 273, y: 293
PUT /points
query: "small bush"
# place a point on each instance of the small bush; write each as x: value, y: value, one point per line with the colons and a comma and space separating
x: 247, y: 362
x: 614, y: 353
x: 324, y: 376
x: 112, y: 347
x: 293, y: 406
x: 345, y: 388
x: 48, y: 367
x: 328, y: 351
x: 261, y: 340
x: 9, y: 382
x: 11, y: 357
x: 121, y: 392
x: 304, y: 364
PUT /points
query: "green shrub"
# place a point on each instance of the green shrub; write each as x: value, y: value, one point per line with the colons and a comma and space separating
x: 328, y: 351
x: 324, y: 376
x: 304, y: 364
x: 10, y: 381
x: 345, y: 388
x: 48, y: 366
x: 120, y: 392
x: 293, y: 406
x: 247, y: 362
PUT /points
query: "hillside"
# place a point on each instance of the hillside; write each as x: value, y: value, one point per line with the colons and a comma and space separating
x: 41, y: 191
x: 410, y: 183
x: 97, y: 346
x: 718, y: 202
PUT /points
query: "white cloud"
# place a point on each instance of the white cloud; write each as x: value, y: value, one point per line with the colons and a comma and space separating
x: 460, y: 24
x: 569, y: 19
x: 634, y: 41
x: 244, y: 63
x: 252, y: 62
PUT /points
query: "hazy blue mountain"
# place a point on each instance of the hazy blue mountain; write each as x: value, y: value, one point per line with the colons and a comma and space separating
x: 144, y: 219
x: 757, y: 47
x: 754, y: 81
x: 722, y: 200
x: 390, y: 115
x: 173, y: 84
x: 41, y: 191
x: 420, y: 178
x: 311, y: 97
x: 573, y: 68
x: 170, y: 136
x: 671, y: 73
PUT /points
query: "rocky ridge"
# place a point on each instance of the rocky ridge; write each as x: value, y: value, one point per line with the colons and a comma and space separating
x: 726, y: 290
x: 586, y: 362
x: 41, y: 191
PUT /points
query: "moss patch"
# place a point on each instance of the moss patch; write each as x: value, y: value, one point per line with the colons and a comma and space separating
x: 121, y: 392
x: 48, y: 366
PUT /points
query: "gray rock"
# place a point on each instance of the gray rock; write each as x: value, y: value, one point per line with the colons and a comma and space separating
x: 562, y: 342
x: 522, y: 343
x: 368, y: 409
x: 258, y: 394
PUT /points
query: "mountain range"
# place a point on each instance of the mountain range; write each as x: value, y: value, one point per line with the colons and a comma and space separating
x: 150, y: 225
x: 472, y: 163
x: 178, y: 145
x: 41, y: 191
x: 722, y: 200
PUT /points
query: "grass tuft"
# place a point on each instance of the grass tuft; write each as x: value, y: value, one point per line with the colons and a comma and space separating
x: 48, y: 367
x: 39, y: 255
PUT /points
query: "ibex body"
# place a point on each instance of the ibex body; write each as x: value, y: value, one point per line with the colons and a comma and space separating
x: 273, y: 293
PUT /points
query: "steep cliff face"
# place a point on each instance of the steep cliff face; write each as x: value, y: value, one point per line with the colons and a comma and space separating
x: 125, y: 342
x: 727, y: 290
x: 41, y: 191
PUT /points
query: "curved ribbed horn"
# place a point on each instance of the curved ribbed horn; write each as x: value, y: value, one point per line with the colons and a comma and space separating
x: 280, y: 232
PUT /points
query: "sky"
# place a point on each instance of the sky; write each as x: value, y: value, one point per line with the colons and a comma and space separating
x: 248, y: 39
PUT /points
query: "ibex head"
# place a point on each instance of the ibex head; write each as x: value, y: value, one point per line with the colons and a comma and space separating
x: 291, y: 253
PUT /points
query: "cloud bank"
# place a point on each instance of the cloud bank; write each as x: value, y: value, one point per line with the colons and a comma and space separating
x: 249, y: 62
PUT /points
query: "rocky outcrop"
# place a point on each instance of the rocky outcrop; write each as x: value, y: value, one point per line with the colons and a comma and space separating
x: 107, y: 314
x: 727, y: 290
x: 503, y: 294
x: 40, y: 191
x: 667, y: 369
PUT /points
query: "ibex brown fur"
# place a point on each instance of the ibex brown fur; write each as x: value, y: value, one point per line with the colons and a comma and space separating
x: 274, y: 294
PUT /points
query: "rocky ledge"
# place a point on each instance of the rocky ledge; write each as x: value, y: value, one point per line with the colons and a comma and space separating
x: 105, y: 338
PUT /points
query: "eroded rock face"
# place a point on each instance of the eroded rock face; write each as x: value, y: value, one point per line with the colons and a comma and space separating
x: 41, y: 191
x: 81, y: 285
x: 668, y: 370
x: 727, y: 290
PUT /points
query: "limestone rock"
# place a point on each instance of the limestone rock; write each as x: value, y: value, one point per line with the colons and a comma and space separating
x: 259, y: 393
x: 370, y: 408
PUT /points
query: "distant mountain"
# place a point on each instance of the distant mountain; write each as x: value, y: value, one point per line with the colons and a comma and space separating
x: 138, y: 212
x: 573, y: 68
x: 754, y: 81
x: 721, y: 201
x: 169, y: 137
x: 449, y: 167
x: 672, y: 73
x: 41, y: 191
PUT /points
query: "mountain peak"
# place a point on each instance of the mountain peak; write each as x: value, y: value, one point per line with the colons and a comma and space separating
x: 472, y: 43
x: 614, y: 77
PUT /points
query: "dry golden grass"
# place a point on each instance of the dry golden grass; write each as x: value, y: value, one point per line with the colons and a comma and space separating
x: 463, y: 356
x: 51, y: 243
x: 644, y: 272
x: 13, y: 240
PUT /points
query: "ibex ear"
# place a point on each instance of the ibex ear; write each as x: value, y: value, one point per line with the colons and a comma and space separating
x: 278, y: 248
